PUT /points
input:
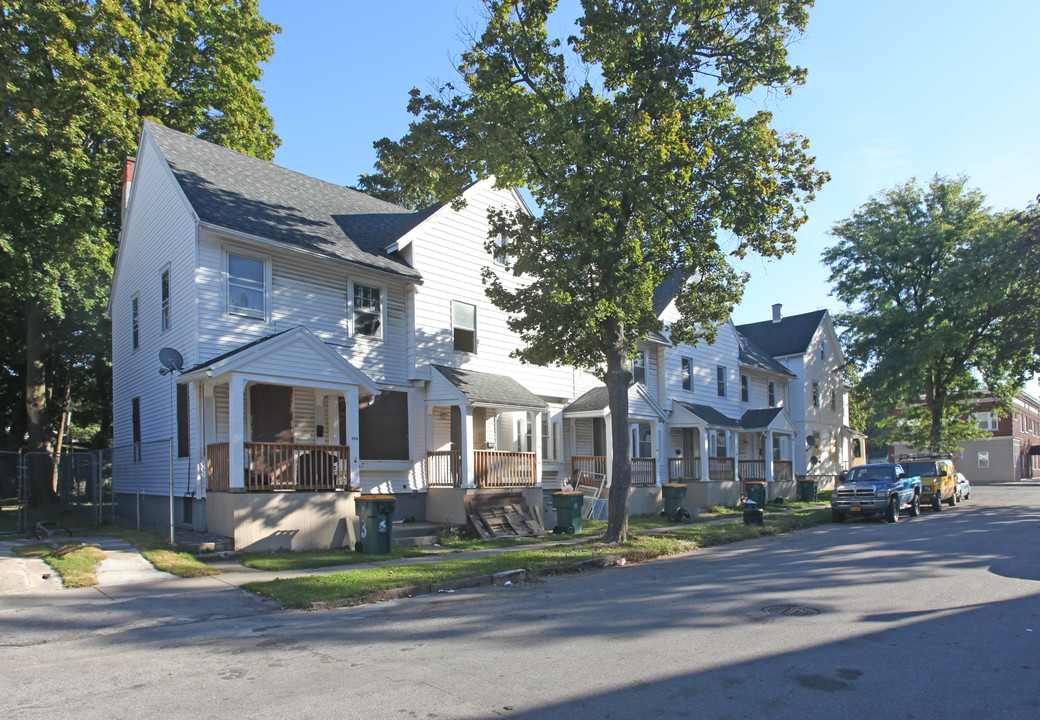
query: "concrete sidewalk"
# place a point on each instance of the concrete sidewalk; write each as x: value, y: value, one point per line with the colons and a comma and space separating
x: 125, y: 574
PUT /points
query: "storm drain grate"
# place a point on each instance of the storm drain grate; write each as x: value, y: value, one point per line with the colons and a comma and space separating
x: 792, y: 610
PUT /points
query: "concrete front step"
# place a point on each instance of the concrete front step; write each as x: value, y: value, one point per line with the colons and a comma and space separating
x: 417, y: 534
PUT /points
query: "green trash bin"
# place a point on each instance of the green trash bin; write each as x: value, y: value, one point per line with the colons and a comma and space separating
x: 568, y: 504
x: 807, y: 490
x: 756, y: 491
x: 674, y: 497
x: 376, y: 513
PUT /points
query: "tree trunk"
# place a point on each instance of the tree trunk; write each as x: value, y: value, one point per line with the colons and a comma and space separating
x: 38, y: 425
x: 621, y: 469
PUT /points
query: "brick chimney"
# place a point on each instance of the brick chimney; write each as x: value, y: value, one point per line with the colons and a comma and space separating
x: 778, y: 312
x: 128, y: 178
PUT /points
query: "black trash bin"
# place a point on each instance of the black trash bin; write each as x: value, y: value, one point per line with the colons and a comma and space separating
x: 755, y: 490
x: 568, y: 504
x: 807, y: 490
x: 376, y: 513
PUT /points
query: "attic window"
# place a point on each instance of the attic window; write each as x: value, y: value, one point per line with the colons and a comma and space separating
x: 246, y: 287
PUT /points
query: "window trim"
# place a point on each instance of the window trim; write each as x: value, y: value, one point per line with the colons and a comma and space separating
x: 816, y: 395
x: 834, y: 400
x: 165, y: 299
x: 352, y: 285
x: 771, y: 393
x: 264, y: 313
x: 745, y: 388
x: 499, y: 252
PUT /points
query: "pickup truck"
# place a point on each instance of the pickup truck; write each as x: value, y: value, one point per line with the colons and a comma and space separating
x: 874, y: 489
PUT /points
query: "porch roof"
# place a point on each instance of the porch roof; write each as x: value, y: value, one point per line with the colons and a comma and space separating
x: 767, y: 419
x: 710, y: 415
x: 489, y: 390
x: 284, y: 350
x: 596, y: 403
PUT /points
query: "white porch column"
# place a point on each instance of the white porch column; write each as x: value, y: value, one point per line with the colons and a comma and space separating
x: 536, y: 429
x: 705, y: 436
x: 768, y: 454
x: 468, y: 476
x: 350, y: 398
x: 661, y: 456
x: 236, y: 432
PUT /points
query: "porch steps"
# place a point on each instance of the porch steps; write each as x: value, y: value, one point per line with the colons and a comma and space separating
x: 418, y: 534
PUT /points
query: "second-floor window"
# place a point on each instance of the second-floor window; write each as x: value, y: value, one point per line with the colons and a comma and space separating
x: 816, y: 394
x: 639, y: 368
x: 368, y: 311
x: 771, y: 391
x: 464, y: 327
x: 246, y: 286
x: 164, y: 296
x: 135, y: 337
x: 720, y: 380
x: 745, y: 389
x: 687, y: 374
x: 834, y: 400
x: 500, y: 250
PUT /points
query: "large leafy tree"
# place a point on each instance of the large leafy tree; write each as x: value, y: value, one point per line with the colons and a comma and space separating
x: 629, y: 137
x: 76, y: 78
x: 944, y: 304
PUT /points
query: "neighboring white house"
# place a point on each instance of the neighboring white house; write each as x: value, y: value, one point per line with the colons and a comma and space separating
x: 807, y: 345
x: 333, y: 344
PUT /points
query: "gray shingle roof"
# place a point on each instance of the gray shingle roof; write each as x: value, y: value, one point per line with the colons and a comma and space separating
x: 488, y: 389
x: 594, y: 400
x: 790, y: 336
x: 710, y: 415
x: 242, y: 193
x: 758, y: 419
x: 754, y: 356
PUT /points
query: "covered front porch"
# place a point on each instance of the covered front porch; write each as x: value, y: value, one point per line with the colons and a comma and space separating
x: 279, y: 418
x: 481, y: 438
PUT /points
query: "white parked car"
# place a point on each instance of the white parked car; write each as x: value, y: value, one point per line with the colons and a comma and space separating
x: 963, y: 488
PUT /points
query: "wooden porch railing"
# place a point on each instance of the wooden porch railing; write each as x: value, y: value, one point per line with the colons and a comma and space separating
x: 752, y: 469
x: 498, y: 469
x: 282, y: 466
x: 595, y: 465
x: 491, y: 469
x: 684, y: 469
x: 644, y: 472
x: 721, y: 468
x: 443, y: 468
x: 783, y: 470
x: 217, y: 466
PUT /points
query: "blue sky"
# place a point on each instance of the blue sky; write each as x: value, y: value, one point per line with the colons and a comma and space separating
x: 897, y: 89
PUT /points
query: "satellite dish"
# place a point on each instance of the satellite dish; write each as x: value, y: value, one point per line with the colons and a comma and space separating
x: 170, y: 359
x: 810, y: 440
x: 813, y: 461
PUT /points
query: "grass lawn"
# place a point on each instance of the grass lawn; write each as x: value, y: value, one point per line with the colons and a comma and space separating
x: 306, y: 559
x: 362, y: 585
x: 77, y: 568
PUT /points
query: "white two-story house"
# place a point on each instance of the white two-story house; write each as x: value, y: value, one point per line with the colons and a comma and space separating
x: 808, y: 346
x: 332, y: 344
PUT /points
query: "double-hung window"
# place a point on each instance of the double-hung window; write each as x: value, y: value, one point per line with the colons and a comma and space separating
x: 687, y: 374
x: 368, y: 311
x: 639, y: 368
x: 246, y: 286
x: 816, y: 394
x: 135, y: 320
x: 745, y: 388
x: 772, y: 394
x: 720, y: 380
x: 164, y: 297
x: 464, y: 327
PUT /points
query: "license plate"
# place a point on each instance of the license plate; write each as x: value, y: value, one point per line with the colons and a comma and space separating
x: 854, y: 509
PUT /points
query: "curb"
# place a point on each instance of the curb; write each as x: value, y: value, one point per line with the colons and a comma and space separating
x: 505, y: 578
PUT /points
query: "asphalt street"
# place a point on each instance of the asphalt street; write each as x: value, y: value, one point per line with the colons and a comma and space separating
x: 934, y: 617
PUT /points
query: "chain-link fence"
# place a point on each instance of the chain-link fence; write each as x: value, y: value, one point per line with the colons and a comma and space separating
x: 38, y: 486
